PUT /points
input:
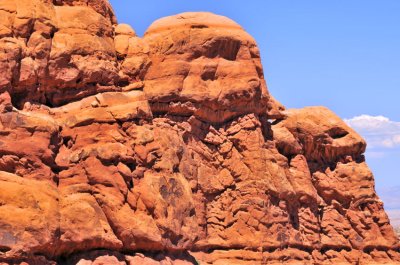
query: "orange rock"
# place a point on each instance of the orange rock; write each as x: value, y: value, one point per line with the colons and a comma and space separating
x: 205, y: 65
x: 171, y: 146
x: 323, y: 135
x: 29, y: 216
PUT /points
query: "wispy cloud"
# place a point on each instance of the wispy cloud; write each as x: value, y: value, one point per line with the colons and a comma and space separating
x: 383, y: 153
x: 379, y: 131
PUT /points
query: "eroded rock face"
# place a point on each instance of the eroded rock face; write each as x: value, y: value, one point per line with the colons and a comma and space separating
x: 168, y: 149
x: 204, y: 65
x: 53, y: 53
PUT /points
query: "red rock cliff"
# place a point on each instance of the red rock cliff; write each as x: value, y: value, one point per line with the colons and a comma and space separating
x: 168, y: 149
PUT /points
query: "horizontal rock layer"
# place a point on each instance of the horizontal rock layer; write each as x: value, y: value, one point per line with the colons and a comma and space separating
x: 168, y: 149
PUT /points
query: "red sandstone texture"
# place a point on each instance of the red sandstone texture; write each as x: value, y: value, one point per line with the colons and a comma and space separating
x: 168, y: 149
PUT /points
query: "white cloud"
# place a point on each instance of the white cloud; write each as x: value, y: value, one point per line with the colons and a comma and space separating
x: 379, y: 131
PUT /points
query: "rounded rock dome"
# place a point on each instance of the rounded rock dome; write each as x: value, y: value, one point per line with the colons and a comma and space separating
x: 204, y: 64
x: 192, y: 20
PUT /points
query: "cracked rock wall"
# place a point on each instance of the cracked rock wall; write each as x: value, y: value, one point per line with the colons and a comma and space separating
x: 168, y: 149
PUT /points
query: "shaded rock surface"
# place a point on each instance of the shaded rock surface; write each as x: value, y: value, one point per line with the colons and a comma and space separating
x: 168, y: 149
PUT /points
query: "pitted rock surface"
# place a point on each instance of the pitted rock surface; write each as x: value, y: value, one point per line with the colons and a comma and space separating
x: 168, y: 149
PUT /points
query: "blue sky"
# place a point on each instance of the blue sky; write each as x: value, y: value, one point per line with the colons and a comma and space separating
x: 341, y: 54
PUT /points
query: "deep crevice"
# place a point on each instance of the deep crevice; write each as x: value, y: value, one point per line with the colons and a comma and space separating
x: 4, y: 249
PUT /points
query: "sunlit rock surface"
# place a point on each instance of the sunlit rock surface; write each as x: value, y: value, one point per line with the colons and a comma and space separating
x: 168, y: 149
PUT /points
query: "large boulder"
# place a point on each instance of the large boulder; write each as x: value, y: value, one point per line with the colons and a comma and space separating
x: 206, y: 65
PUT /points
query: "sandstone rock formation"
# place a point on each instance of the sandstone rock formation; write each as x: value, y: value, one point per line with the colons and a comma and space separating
x: 168, y: 149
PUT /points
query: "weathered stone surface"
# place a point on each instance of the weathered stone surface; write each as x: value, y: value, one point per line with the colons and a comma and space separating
x: 324, y: 136
x: 168, y: 149
x: 29, y: 215
x: 204, y: 65
x: 102, y: 7
x: 55, y: 53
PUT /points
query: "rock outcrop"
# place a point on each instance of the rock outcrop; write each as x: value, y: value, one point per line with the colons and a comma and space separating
x: 168, y: 149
